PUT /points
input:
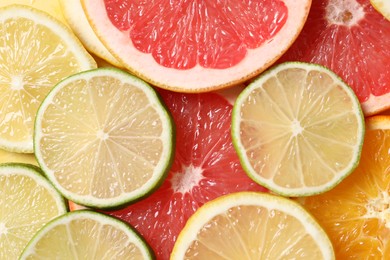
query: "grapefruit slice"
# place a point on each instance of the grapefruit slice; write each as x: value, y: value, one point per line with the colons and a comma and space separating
x: 352, y: 39
x: 205, y: 167
x: 194, y: 46
x: 355, y: 214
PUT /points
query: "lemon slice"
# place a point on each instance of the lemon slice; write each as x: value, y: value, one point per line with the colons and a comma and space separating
x: 28, y: 201
x: 250, y: 225
x: 77, y: 20
x: 37, y: 51
x: 382, y: 6
x: 52, y: 7
x: 104, y: 138
x: 87, y: 235
x: 298, y: 129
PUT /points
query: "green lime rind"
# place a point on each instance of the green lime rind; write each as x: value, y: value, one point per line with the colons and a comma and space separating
x: 103, y: 219
x: 37, y: 174
x: 236, y: 139
x: 169, y: 142
x: 26, y: 208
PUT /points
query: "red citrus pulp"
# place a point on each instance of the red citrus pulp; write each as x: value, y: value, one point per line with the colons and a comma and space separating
x: 205, y: 167
x: 179, y: 44
x: 351, y: 38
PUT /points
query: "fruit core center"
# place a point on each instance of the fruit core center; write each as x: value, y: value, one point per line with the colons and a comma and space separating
x: 17, y: 82
x: 296, y: 127
x: 187, y: 180
x: 380, y: 208
x: 102, y: 135
x: 3, y: 229
x: 344, y: 12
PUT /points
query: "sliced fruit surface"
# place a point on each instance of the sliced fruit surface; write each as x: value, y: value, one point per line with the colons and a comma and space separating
x: 86, y: 235
x: 51, y: 7
x: 249, y: 225
x: 104, y: 138
x: 298, y: 129
x: 355, y: 214
x: 205, y: 167
x: 8, y: 157
x: 176, y: 45
x: 75, y: 17
x: 40, y: 53
x: 382, y: 6
x: 352, y: 39
x: 28, y: 201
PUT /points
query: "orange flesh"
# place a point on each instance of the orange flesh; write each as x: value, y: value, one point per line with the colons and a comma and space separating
x: 356, y: 213
x: 183, y: 34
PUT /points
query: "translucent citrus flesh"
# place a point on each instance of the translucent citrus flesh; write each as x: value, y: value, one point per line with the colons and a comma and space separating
x: 90, y: 239
x: 242, y: 231
x: 251, y: 230
x: 27, y: 204
x: 300, y: 131
x: 352, y: 39
x: 205, y: 166
x: 38, y: 55
x: 212, y: 34
x: 355, y: 214
x: 84, y: 238
x: 102, y: 138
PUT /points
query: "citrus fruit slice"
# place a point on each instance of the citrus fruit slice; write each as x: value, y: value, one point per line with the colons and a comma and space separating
x: 298, y: 129
x: 252, y: 226
x: 382, y: 6
x: 41, y: 52
x: 178, y: 44
x: 205, y: 166
x: 352, y: 39
x: 86, y: 235
x: 355, y: 214
x: 75, y: 17
x: 104, y: 138
x: 28, y: 201
x: 11, y: 157
x: 52, y: 7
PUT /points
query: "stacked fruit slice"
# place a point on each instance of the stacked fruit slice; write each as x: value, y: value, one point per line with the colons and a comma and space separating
x: 105, y: 139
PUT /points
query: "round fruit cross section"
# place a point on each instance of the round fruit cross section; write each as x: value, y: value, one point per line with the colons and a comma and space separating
x: 87, y: 235
x: 104, y: 138
x: 298, y: 129
x: 193, y: 46
x: 28, y: 201
x: 250, y: 225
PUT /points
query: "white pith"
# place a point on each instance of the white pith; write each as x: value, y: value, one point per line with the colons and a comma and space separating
x: 144, y: 66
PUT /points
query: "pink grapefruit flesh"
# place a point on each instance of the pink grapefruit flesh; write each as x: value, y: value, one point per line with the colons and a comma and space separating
x: 197, y: 46
x: 205, y: 167
x: 351, y: 38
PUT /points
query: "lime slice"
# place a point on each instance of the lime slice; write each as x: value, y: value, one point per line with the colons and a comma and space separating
x: 87, y: 235
x: 28, y: 201
x: 250, y: 225
x: 104, y: 138
x: 298, y: 129
x: 382, y: 6
x: 37, y: 51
